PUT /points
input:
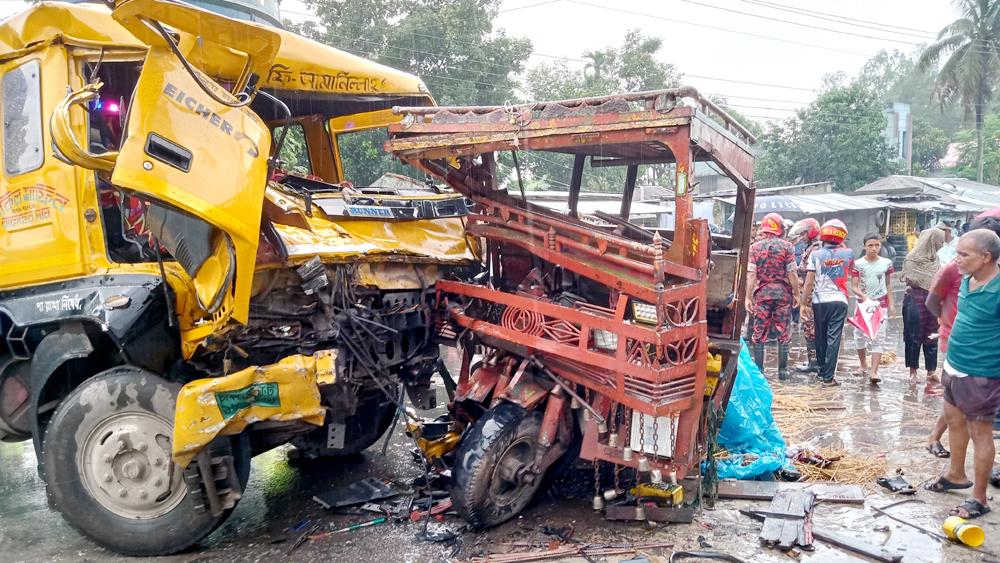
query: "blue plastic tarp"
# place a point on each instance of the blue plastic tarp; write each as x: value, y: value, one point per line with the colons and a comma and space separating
x: 748, y: 432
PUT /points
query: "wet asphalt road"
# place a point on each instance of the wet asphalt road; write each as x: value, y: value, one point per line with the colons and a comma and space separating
x: 891, y: 420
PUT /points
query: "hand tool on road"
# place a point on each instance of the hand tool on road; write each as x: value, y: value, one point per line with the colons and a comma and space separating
x: 350, y: 528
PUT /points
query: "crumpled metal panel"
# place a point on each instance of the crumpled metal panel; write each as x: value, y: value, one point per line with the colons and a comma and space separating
x: 437, y: 240
x: 222, y: 406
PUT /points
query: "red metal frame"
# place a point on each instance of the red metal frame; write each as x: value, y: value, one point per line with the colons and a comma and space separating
x: 654, y: 369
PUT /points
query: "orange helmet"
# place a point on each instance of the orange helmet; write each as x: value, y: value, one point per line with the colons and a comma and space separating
x: 772, y: 223
x: 808, y: 227
x: 834, y: 231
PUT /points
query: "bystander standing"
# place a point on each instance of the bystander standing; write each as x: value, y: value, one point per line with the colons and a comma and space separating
x: 942, y: 302
x: 919, y: 325
x: 829, y: 271
x: 972, y: 372
x: 872, y: 280
x: 806, y: 234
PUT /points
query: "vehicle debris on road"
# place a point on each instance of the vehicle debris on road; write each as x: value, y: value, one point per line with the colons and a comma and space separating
x: 357, y: 493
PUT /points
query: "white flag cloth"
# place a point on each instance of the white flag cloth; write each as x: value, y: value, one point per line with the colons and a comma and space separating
x: 869, y: 318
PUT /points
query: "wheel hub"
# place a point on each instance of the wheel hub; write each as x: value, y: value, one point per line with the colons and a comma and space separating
x: 515, y: 474
x: 126, y: 466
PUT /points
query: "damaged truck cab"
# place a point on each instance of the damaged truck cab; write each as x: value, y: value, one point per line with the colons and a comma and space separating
x: 188, y: 274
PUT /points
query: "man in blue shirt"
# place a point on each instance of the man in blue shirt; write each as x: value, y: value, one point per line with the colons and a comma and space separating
x: 972, y: 371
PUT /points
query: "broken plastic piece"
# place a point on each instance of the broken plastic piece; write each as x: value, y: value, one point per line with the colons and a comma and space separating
x: 896, y: 484
x: 359, y: 492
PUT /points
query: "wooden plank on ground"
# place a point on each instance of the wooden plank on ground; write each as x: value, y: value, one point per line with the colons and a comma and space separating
x: 765, y: 490
x: 854, y: 545
x: 787, y: 520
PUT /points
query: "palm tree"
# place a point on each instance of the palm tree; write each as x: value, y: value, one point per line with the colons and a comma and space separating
x: 600, y: 61
x: 972, y: 47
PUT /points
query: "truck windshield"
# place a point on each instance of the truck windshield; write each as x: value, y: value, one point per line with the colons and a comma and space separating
x: 295, y: 152
x: 364, y: 158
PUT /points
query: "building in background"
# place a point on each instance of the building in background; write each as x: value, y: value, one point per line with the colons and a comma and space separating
x: 917, y: 203
x: 899, y: 132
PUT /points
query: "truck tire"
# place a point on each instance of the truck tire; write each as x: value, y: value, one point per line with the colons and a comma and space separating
x: 490, y: 481
x: 360, y: 430
x: 15, y: 421
x: 108, y: 469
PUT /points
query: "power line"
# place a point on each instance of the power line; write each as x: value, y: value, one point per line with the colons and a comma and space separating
x: 453, y: 40
x: 748, y: 82
x: 728, y: 96
x: 369, y: 53
x: 428, y: 75
x: 817, y: 14
x: 294, y: 13
x: 852, y: 116
x: 717, y: 28
x: 805, y: 25
x: 973, y: 49
x: 653, y: 16
x: 528, y: 6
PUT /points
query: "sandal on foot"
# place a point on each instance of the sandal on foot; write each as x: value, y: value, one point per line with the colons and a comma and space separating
x: 941, y: 485
x: 937, y: 450
x: 972, y: 507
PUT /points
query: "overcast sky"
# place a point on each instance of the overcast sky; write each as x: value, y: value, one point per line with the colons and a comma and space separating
x: 787, y: 44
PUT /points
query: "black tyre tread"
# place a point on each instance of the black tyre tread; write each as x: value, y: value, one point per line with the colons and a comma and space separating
x: 384, y: 419
x: 474, y: 448
x: 150, y: 543
x: 358, y: 446
x: 565, y: 461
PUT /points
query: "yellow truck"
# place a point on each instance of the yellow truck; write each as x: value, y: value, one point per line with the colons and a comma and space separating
x: 190, y: 273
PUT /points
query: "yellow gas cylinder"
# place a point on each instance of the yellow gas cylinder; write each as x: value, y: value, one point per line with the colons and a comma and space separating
x: 713, y: 368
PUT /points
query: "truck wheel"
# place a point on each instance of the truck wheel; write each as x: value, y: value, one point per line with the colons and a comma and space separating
x: 348, y: 435
x: 492, y: 480
x: 108, y: 469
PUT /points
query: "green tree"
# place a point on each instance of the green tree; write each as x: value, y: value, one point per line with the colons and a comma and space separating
x: 556, y: 81
x: 632, y: 66
x: 972, y: 47
x: 882, y: 73
x: 896, y: 77
x: 929, y: 146
x: 601, y: 61
x: 837, y: 137
x: 968, y: 163
x: 451, y: 44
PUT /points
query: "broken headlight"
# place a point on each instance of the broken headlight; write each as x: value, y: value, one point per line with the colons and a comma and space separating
x: 605, y: 340
x: 644, y: 312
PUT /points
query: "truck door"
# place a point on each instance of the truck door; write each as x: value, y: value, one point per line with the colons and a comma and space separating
x: 204, y: 164
x: 40, y: 237
x: 193, y: 150
x: 197, y: 148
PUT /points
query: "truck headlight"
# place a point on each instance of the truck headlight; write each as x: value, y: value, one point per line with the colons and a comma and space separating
x: 644, y: 312
x: 605, y: 340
